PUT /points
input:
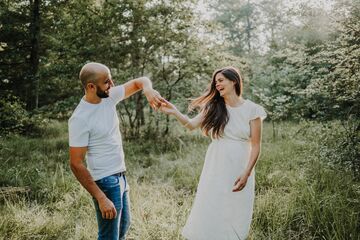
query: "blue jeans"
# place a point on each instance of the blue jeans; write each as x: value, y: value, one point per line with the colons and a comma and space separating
x: 114, y: 188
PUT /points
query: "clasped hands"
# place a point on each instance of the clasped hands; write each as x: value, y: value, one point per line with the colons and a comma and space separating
x: 157, y: 102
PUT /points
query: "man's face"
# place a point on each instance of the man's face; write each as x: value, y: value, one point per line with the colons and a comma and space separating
x: 103, y: 85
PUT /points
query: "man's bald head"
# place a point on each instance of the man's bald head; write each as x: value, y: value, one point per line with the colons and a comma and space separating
x: 90, y: 72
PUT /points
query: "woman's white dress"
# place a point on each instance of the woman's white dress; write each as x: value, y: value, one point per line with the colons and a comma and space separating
x: 217, y: 212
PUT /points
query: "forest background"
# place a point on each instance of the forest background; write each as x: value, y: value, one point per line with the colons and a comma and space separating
x: 300, y: 59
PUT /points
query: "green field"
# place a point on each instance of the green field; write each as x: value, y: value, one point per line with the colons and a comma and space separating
x: 297, y: 195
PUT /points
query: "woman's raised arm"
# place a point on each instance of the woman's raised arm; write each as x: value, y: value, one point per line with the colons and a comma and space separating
x: 190, y: 123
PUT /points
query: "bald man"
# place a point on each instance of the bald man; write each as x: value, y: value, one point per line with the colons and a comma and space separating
x: 94, y: 133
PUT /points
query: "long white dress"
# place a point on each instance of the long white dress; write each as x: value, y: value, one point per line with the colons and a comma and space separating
x: 217, y: 212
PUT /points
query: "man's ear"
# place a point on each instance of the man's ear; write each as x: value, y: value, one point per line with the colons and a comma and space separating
x: 90, y: 86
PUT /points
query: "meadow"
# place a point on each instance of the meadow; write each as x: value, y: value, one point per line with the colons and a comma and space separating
x: 298, y: 196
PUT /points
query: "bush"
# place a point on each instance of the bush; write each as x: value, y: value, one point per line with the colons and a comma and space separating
x: 60, y: 110
x: 339, y: 145
x: 15, y: 119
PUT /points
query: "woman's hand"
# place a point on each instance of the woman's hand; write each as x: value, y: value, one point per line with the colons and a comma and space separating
x: 240, y: 183
x: 167, y: 107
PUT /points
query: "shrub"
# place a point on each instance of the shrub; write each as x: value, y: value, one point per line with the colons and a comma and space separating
x: 15, y: 119
x: 60, y: 110
x: 339, y: 145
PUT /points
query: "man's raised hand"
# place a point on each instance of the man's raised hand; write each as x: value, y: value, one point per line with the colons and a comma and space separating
x: 154, y: 98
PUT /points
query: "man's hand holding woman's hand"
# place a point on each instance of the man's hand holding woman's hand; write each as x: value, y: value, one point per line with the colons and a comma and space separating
x: 167, y: 107
x: 157, y: 102
x: 154, y: 98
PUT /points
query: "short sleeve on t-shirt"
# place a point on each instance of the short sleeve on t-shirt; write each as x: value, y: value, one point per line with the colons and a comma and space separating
x: 78, y: 133
x: 117, y: 93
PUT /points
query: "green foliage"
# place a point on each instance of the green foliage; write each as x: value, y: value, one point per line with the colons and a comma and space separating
x: 133, y: 38
x: 60, y: 110
x: 340, y: 145
x: 14, y: 50
x: 277, y: 84
x: 308, y: 66
x: 237, y: 21
x: 15, y: 119
x: 334, y: 92
x: 295, y: 74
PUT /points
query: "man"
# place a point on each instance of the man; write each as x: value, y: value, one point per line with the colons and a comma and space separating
x: 94, y: 132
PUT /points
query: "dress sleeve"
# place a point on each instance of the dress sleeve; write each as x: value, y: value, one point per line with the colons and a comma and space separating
x: 257, y: 111
x: 117, y: 93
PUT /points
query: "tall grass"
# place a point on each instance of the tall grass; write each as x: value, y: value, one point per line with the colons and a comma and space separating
x: 297, y: 195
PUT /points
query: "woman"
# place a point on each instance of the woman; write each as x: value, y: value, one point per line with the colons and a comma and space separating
x: 223, y: 205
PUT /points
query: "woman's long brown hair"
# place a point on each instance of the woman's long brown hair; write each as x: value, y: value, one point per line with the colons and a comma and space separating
x: 213, y: 105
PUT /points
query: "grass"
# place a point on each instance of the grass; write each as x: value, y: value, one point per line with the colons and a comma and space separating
x: 297, y: 195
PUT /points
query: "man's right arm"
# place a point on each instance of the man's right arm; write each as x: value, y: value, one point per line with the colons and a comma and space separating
x: 77, y: 156
x: 143, y: 83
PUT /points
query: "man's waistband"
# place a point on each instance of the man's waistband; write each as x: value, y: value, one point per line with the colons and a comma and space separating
x: 120, y: 174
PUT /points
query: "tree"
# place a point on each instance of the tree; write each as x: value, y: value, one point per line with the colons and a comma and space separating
x: 15, y: 48
x: 238, y: 21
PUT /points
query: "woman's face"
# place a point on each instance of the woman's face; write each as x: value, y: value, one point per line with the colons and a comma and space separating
x: 223, y: 85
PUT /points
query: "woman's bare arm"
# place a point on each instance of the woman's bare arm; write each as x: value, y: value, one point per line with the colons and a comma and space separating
x: 189, y: 123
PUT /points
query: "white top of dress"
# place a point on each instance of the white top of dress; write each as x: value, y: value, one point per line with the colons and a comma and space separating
x: 238, y: 127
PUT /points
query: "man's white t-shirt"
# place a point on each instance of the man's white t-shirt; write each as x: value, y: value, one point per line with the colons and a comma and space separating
x: 96, y: 126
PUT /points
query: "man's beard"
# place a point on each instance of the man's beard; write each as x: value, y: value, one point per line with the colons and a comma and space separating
x: 101, y: 94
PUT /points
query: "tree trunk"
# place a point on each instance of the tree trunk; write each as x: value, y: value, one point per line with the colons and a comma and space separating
x: 33, y: 102
x: 248, y: 27
x: 274, y: 129
x: 168, y: 97
x: 140, y: 118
